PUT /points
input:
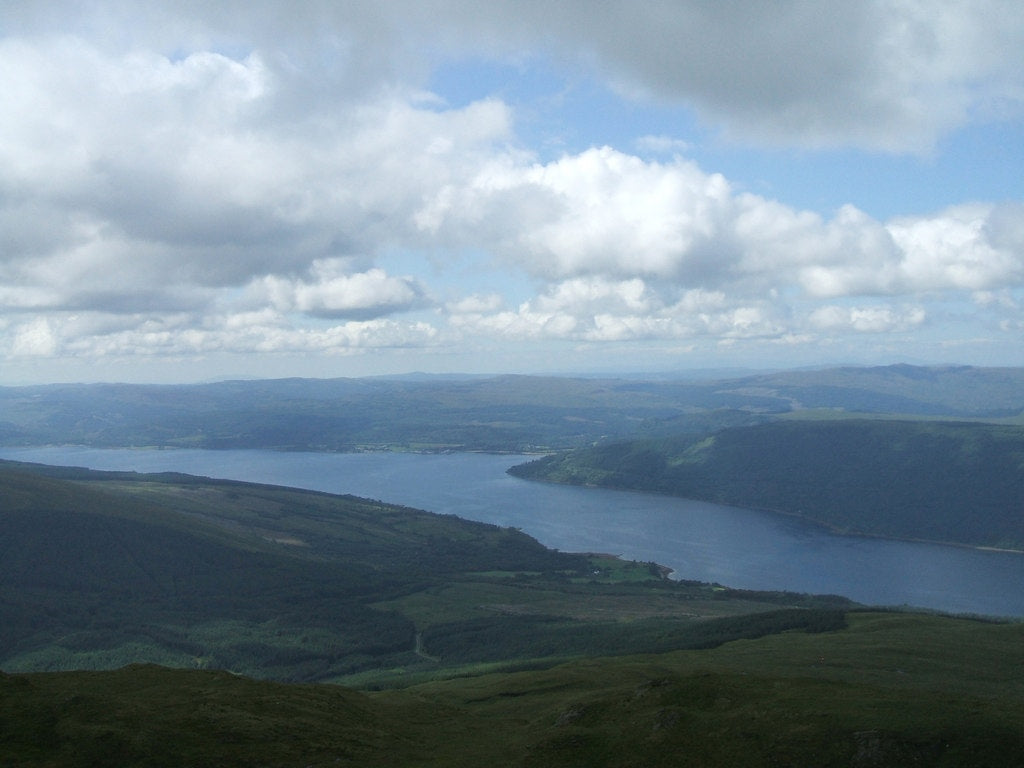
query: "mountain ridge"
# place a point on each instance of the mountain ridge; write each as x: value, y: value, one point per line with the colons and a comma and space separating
x: 504, y: 414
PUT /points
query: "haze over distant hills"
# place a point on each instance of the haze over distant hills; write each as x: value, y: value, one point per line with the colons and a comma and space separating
x: 953, y: 485
x: 503, y: 413
x: 781, y: 441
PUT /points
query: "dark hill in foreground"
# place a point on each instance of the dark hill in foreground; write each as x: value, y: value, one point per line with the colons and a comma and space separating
x: 102, y: 569
x: 473, y: 645
x: 890, y: 690
x: 949, y: 482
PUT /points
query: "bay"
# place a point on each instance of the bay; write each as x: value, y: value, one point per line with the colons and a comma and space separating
x: 707, y: 542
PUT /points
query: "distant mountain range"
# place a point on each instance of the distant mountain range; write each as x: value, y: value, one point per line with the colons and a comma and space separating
x: 501, y: 414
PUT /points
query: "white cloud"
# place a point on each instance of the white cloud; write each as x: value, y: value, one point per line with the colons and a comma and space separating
x: 32, y: 339
x: 887, y: 75
x: 185, y: 173
x: 331, y: 291
x: 866, y: 319
x: 1003, y: 299
x: 955, y: 250
x: 598, y: 212
x: 596, y: 309
x: 213, y: 177
x: 616, y: 216
x: 262, y: 332
x: 894, y: 75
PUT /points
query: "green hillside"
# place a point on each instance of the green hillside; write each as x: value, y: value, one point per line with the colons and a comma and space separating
x: 102, y: 569
x: 950, y: 482
x: 459, y: 644
x: 889, y: 690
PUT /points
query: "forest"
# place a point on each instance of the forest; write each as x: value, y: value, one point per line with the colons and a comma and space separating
x: 953, y: 482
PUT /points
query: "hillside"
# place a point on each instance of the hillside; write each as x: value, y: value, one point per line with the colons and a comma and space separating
x: 500, y: 414
x: 102, y: 569
x: 889, y: 690
x: 949, y: 482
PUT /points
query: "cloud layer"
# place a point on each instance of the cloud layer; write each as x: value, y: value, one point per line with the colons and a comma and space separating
x: 266, y: 178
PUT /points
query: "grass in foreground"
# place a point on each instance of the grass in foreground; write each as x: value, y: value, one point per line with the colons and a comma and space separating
x: 892, y: 689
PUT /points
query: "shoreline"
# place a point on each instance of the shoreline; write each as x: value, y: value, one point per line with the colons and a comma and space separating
x: 835, y: 530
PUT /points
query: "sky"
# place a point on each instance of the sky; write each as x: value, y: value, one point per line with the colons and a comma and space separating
x: 193, y: 191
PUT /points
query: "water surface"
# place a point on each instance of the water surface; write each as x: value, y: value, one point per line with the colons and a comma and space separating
x: 708, y: 542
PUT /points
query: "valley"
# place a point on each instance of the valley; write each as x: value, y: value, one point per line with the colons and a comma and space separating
x: 106, y: 569
x: 166, y: 617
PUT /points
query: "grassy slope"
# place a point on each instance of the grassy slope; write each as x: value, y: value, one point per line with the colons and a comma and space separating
x: 103, y: 569
x: 890, y: 690
x: 952, y: 482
